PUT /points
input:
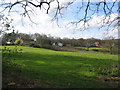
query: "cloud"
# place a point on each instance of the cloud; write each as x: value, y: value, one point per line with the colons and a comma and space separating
x: 94, y: 22
x: 45, y: 26
x: 113, y: 32
x: 98, y: 21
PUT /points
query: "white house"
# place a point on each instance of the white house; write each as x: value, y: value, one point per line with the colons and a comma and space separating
x: 54, y: 44
x: 8, y: 42
x: 58, y: 44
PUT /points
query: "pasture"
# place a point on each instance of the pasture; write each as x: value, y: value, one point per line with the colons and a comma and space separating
x: 93, y: 48
x: 44, y: 68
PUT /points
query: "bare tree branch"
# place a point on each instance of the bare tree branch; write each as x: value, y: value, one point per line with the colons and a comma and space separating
x: 88, y: 6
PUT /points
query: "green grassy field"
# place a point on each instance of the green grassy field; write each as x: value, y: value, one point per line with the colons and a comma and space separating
x: 92, y: 48
x: 56, y: 69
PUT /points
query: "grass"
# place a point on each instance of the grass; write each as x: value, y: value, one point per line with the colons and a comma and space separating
x: 92, y: 48
x: 56, y: 69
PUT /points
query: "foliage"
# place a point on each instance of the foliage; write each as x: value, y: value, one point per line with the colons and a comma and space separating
x: 111, y: 44
x: 9, y: 67
x: 41, y: 40
x: 9, y: 37
x: 19, y: 41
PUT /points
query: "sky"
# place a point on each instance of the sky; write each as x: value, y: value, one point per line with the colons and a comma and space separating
x: 63, y: 28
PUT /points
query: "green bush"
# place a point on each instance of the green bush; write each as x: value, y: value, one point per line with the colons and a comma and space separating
x: 8, y: 63
x: 10, y: 69
x: 19, y: 41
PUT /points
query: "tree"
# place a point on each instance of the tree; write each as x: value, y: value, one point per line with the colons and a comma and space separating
x: 89, y: 42
x: 5, y: 24
x: 42, y: 40
x: 9, y: 37
x: 89, y: 7
x: 112, y: 44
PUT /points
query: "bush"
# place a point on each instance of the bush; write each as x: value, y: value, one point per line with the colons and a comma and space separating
x: 11, y: 70
x: 8, y: 63
x: 19, y: 41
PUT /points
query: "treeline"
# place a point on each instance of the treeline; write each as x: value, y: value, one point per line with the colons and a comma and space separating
x: 44, y: 41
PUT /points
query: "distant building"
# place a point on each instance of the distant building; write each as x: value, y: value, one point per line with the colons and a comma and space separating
x: 54, y: 44
x: 8, y: 42
x: 58, y: 44
x: 35, y: 39
x: 97, y: 44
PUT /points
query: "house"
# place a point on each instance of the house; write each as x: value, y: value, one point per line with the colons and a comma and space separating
x: 97, y: 44
x: 58, y: 44
x: 54, y: 44
x: 8, y: 42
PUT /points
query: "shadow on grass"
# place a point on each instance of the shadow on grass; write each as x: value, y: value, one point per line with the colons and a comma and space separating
x: 62, y: 70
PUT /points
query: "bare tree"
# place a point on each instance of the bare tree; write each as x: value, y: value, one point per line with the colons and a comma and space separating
x: 90, y: 8
x: 5, y: 24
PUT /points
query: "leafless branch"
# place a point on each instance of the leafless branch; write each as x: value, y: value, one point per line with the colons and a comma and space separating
x: 87, y: 6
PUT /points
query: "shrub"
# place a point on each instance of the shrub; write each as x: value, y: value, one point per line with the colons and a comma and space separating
x: 10, y: 68
x: 19, y: 41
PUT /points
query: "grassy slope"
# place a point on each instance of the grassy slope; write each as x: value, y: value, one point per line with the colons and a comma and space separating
x: 63, y: 69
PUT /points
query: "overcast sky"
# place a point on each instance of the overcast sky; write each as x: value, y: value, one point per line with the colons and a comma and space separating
x: 44, y: 25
